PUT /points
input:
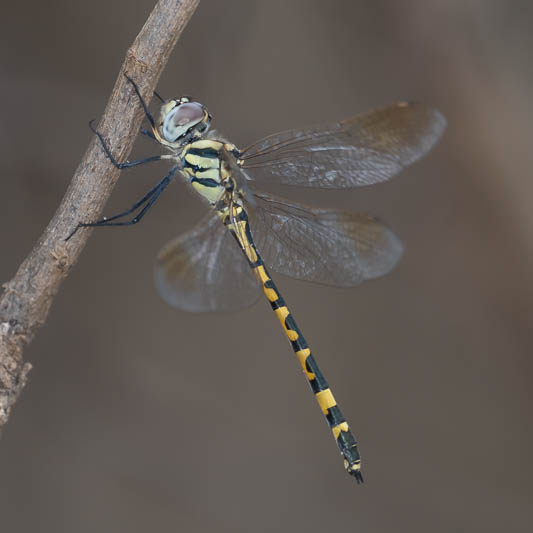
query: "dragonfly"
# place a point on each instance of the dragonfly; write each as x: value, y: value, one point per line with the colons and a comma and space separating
x: 203, y: 270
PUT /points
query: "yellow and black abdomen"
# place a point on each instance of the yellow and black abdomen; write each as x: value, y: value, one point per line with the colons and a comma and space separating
x: 239, y: 226
x: 204, y: 162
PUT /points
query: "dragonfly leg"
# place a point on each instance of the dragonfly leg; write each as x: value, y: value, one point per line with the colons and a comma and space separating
x: 126, y: 164
x: 143, y: 103
x: 159, y: 97
x: 144, y: 204
x: 148, y: 133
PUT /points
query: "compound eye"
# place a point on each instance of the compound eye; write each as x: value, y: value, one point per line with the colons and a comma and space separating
x: 180, y: 119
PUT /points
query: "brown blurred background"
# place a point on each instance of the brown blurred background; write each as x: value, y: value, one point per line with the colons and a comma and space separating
x: 140, y: 418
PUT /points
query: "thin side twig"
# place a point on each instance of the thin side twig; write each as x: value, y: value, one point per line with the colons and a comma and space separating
x: 27, y: 298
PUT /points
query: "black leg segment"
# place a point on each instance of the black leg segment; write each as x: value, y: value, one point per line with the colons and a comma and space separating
x: 126, y: 164
x: 144, y: 204
x: 143, y: 103
x: 158, y: 96
x: 148, y: 133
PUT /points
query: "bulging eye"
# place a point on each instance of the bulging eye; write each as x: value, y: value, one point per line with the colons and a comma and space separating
x: 180, y: 119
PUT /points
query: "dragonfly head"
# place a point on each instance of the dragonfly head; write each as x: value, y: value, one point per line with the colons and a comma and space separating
x: 181, y: 121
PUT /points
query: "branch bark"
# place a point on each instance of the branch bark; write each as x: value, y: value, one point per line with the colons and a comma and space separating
x: 27, y: 298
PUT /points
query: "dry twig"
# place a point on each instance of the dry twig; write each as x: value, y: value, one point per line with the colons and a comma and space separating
x: 27, y: 298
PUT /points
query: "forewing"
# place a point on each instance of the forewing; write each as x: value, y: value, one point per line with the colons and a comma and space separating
x: 327, y: 246
x: 204, y: 270
x: 363, y: 150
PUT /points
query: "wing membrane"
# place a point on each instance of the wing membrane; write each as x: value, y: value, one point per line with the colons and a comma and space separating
x: 204, y: 270
x: 363, y: 150
x: 327, y: 246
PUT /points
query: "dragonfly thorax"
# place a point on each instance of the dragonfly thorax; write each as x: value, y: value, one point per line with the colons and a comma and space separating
x: 206, y: 163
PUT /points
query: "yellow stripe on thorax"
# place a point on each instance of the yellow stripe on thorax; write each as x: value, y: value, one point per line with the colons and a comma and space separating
x: 211, y: 194
x: 202, y: 162
x: 206, y: 143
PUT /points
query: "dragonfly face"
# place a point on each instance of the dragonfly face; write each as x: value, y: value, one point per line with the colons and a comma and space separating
x: 181, y: 121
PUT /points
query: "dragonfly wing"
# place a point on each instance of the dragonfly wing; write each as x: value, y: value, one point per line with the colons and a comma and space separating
x: 327, y: 246
x: 363, y: 150
x: 204, y: 270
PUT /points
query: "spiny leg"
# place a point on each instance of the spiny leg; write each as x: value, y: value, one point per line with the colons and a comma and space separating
x: 145, y: 107
x: 149, y: 199
x: 126, y: 164
x: 148, y: 133
x: 143, y: 103
x: 159, y: 97
x: 237, y: 223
